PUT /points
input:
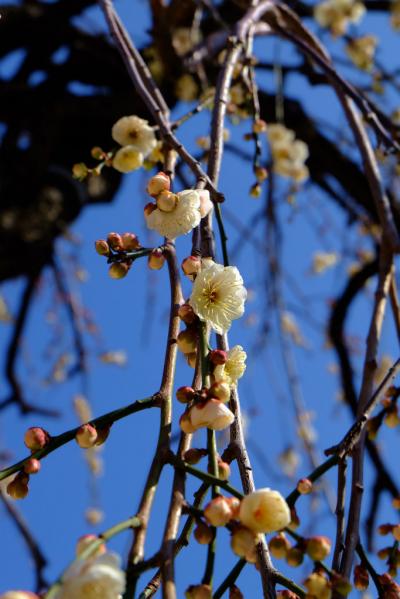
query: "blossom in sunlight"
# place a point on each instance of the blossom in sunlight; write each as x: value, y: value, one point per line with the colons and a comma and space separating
x: 218, y: 295
x: 361, y: 51
x: 184, y: 216
x: 127, y: 159
x: 234, y: 367
x: 264, y: 510
x: 92, y: 578
x: 213, y: 414
x: 134, y: 132
x: 338, y: 14
x: 288, y: 154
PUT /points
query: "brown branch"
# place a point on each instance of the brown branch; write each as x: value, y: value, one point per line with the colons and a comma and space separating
x: 340, y: 514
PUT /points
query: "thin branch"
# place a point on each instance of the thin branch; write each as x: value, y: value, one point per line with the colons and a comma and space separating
x: 340, y: 514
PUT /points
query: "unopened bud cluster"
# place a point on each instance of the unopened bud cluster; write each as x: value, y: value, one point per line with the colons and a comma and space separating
x: 119, y: 250
x: 35, y: 439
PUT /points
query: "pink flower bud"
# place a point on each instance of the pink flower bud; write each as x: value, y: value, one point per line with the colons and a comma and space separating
x: 221, y: 391
x: 203, y: 533
x: 187, y: 341
x: 156, y: 259
x: 191, y: 266
x: 102, y: 247
x: 186, y: 313
x: 160, y: 182
x: 166, y: 201
x: 149, y: 208
x: 206, y: 204
x: 243, y: 543
x: 279, y: 546
x: 304, y: 486
x: 18, y: 487
x: 218, y: 357
x: 118, y: 270
x: 199, y: 591
x: 265, y: 511
x: 32, y: 466
x: 129, y: 241
x: 186, y: 424
x: 194, y: 455
x: 115, y: 241
x: 86, y: 436
x: 218, y: 512
x: 185, y: 394
x: 212, y: 414
x: 85, y: 541
x: 36, y: 438
x: 318, y: 548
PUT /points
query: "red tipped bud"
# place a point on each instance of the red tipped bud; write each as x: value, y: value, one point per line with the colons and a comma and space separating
x: 191, y: 266
x: 279, y: 546
x: 218, y: 512
x: 18, y: 487
x: 186, y: 313
x: 185, y: 394
x: 118, y: 270
x: 221, y: 391
x: 130, y: 241
x: 304, y: 486
x: 193, y: 455
x: 187, y: 341
x: 149, y: 208
x: 86, y: 436
x: 166, y: 201
x: 361, y: 578
x: 318, y: 548
x: 115, y: 241
x: 218, y: 357
x: 102, y: 247
x: 203, y: 533
x: 156, y: 259
x: 36, y: 438
x: 160, y: 182
x: 32, y: 466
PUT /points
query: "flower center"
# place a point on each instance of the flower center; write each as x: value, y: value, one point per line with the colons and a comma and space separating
x: 133, y: 134
x: 211, y: 296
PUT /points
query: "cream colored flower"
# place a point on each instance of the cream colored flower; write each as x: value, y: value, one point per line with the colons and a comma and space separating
x: 92, y: 578
x: 234, y: 367
x: 136, y: 132
x: 361, y: 51
x: 127, y: 159
x: 338, y: 14
x: 212, y: 414
x: 278, y: 133
x: 218, y: 295
x: 181, y: 220
x: 288, y: 154
x: 265, y: 511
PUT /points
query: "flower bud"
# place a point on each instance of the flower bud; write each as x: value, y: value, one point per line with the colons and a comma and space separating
x: 193, y: 456
x: 32, y: 466
x: 149, y: 208
x: 191, y: 359
x: 114, y: 240
x: 191, y: 266
x: 36, y: 438
x: 160, y: 182
x: 97, y: 153
x: 185, y: 394
x: 102, y: 434
x: 18, y: 487
x: 234, y: 505
x: 212, y: 414
x: 187, y: 341
x: 156, y: 259
x: 361, y: 578
x: 264, y: 510
x: 261, y: 174
x: 384, y: 552
x: 243, y: 543
x: 259, y: 126
x: 206, y: 204
x: 166, y: 201
x: 218, y: 357
x: 221, y: 391
x: 224, y: 470
x: 396, y: 503
x: 199, y: 591
x: 385, y: 529
x: 304, y: 486
x: 317, y: 585
x: 127, y: 159
x: 318, y: 548
x: 391, y: 418
x: 129, y: 241
x: 203, y: 533
x: 341, y: 584
x: 279, y: 546
x: 80, y: 171
x: 186, y: 313
x: 286, y: 595
x: 294, y: 557
x: 186, y: 424
x: 118, y: 270
x: 255, y: 190
x: 86, y: 436
x: 85, y: 541
x: 218, y: 512
x: 102, y: 247
x: 235, y: 593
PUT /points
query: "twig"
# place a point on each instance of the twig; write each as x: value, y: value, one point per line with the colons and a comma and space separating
x: 340, y: 514
x: 230, y: 579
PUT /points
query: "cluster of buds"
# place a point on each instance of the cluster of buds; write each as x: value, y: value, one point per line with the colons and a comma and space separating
x: 88, y: 436
x: 338, y: 14
x: 119, y: 249
x: 35, y: 438
x: 317, y: 548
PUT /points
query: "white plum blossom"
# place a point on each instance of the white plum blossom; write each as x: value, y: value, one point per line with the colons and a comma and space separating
x: 264, y: 510
x: 218, y: 295
x: 136, y: 132
x: 234, y: 367
x: 181, y: 220
x: 212, y: 414
x: 127, y: 159
x: 100, y: 577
